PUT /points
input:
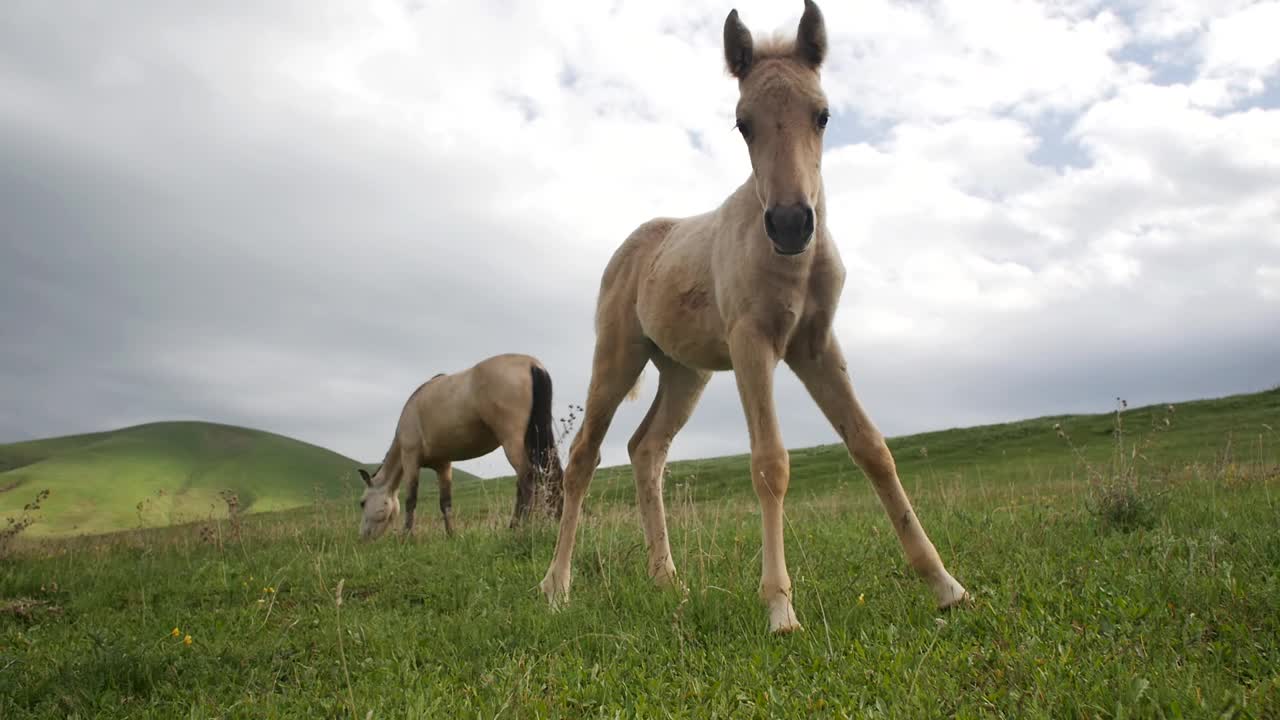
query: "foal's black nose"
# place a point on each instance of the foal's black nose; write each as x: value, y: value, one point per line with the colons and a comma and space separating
x: 790, y: 227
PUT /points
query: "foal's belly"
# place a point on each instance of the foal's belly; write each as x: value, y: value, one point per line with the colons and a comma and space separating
x: 695, y: 352
x: 685, y: 324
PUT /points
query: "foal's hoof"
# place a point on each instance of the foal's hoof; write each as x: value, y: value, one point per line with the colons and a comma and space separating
x: 555, y: 588
x: 964, y: 600
x: 782, y: 618
x: 950, y: 594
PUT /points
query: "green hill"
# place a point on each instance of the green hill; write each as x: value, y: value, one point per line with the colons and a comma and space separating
x: 1005, y: 453
x: 166, y: 473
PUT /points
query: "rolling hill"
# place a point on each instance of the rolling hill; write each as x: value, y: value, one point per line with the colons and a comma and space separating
x: 177, y: 469
x: 169, y: 472
x: 1022, y: 451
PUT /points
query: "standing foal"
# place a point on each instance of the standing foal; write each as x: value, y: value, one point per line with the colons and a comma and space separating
x: 743, y: 287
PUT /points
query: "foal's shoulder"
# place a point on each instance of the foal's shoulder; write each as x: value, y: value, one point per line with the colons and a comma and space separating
x: 652, y: 230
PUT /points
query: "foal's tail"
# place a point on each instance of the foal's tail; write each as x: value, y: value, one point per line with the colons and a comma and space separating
x: 540, y: 441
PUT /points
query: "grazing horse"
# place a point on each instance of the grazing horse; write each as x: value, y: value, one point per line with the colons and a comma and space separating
x: 503, y: 401
x: 743, y: 287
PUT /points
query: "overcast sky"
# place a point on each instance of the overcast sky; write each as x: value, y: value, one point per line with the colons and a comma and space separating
x: 287, y: 215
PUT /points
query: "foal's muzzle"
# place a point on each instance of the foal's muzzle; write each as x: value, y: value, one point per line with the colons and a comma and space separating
x: 790, y: 228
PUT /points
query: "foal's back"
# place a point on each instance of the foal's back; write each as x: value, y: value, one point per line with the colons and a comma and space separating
x: 665, y: 278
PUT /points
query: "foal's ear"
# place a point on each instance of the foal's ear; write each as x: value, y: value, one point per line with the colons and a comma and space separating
x: 737, y: 45
x: 365, y: 476
x: 811, y: 37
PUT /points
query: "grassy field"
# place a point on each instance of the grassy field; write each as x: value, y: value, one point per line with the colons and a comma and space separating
x: 1148, y: 586
x: 168, y: 473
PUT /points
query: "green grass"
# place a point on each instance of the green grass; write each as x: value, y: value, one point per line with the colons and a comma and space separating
x: 1069, y: 619
x: 166, y: 473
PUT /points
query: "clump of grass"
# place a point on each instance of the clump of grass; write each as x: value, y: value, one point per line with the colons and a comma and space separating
x: 548, y: 487
x: 14, y: 526
x: 1124, y: 494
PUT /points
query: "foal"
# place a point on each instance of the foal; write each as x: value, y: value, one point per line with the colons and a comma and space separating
x: 503, y: 400
x: 743, y: 287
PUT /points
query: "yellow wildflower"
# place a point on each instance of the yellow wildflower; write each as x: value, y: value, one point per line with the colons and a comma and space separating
x: 175, y: 632
x: 186, y: 640
x: 862, y: 599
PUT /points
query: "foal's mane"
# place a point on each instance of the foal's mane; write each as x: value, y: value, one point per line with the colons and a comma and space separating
x: 777, y: 45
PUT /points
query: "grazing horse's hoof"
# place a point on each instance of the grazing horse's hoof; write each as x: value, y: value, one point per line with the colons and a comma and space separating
x: 782, y: 617
x: 555, y: 588
x: 671, y: 583
x: 950, y: 594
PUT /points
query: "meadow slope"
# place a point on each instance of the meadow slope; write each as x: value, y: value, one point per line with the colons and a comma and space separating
x: 165, y: 473
x: 1079, y: 610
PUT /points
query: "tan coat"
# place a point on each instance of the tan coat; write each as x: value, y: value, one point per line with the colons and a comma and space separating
x: 743, y: 287
x: 502, y: 401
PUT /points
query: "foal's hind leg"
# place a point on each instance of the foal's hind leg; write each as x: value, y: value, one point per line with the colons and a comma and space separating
x: 824, y: 374
x: 620, y: 355
x: 679, y: 388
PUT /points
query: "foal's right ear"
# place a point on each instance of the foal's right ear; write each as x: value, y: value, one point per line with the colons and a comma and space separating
x: 737, y: 45
x: 365, y: 476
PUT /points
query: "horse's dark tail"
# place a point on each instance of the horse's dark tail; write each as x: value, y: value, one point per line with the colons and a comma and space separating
x: 540, y: 443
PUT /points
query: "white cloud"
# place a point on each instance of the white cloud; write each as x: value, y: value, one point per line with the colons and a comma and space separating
x: 406, y: 191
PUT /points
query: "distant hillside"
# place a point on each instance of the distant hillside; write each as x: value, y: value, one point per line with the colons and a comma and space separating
x: 175, y: 470
x: 1246, y: 425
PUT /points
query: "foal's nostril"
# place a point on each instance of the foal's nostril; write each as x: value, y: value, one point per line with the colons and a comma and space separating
x: 790, y: 227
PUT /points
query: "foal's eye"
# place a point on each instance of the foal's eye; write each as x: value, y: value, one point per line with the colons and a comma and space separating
x: 743, y: 127
x: 823, y: 117
x: 361, y: 504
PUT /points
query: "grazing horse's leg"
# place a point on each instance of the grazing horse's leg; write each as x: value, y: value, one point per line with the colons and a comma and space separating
x: 825, y: 376
x: 513, y: 446
x: 444, y: 474
x: 524, y: 498
x: 619, y: 359
x: 679, y: 388
x: 411, y: 499
x: 754, y: 362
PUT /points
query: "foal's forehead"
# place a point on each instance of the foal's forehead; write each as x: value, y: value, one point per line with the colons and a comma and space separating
x: 777, y: 82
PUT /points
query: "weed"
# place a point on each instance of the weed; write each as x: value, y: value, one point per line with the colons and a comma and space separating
x: 14, y: 526
x: 233, y: 511
x: 1124, y: 493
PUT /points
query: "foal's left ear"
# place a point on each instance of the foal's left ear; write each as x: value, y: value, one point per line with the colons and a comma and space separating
x: 811, y: 37
x: 365, y: 476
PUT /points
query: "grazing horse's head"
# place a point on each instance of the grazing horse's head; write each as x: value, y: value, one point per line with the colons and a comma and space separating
x: 782, y: 113
x: 379, y: 505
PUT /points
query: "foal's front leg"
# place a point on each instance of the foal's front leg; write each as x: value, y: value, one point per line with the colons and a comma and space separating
x: 754, y: 362
x: 825, y: 375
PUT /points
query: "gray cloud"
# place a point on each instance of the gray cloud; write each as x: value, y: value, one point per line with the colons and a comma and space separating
x: 184, y: 236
